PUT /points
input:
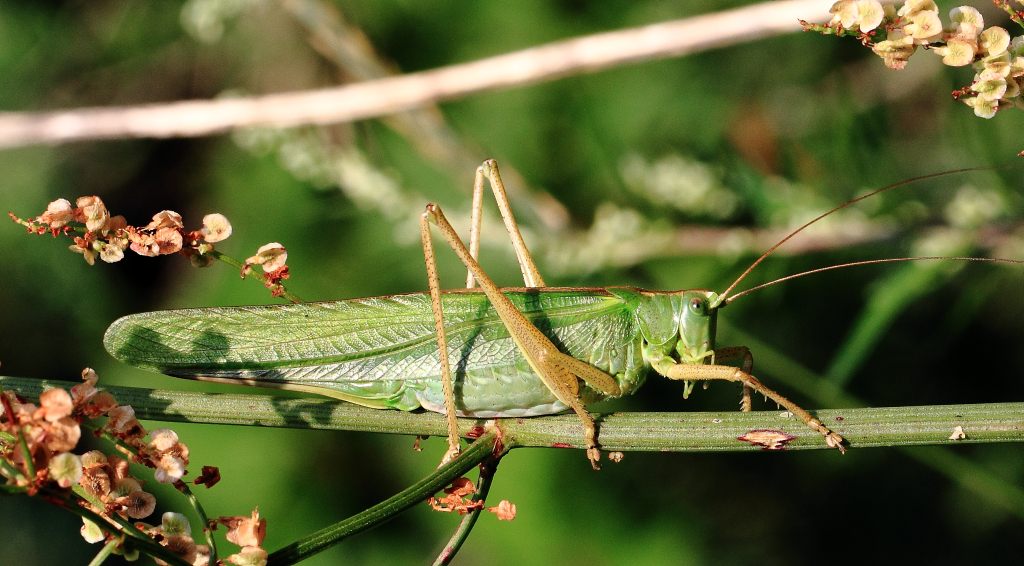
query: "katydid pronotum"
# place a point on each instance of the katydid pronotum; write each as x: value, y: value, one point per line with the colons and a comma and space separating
x: 515, y: 351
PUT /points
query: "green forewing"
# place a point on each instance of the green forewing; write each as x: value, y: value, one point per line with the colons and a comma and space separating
x: 382, y: 351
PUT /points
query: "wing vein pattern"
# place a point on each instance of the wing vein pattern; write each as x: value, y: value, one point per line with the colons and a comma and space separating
x: 382, y: 351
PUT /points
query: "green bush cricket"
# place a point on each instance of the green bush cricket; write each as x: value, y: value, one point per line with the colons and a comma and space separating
x: 486, y: 353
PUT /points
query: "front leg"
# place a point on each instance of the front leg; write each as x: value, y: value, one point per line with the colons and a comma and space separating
x: 689, y: 372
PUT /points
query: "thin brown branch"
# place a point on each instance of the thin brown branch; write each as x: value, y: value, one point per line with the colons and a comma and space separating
x: 397, y: 94
x: 425, y: 128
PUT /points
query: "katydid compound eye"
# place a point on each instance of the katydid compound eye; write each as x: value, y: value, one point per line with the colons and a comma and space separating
x: 697, y: 306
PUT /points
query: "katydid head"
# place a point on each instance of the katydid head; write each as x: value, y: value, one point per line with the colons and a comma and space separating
x: 678, y: 324
x: 698, y: 322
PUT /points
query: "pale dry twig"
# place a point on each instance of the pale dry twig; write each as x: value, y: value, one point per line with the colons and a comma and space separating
x: 397, y: 94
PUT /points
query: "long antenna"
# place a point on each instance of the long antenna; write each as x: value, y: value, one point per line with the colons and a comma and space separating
x: 868, y: 262
x: 842, y: 206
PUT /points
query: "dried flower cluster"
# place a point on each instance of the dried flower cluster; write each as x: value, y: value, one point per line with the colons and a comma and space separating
x: 107, y: 237
x: 457, y: 499
x: 895, y: 34
x: 248, y: 533
x: 175, y: 533
x: 36, y: 444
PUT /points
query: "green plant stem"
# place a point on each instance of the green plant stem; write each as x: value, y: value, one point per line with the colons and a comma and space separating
x: 1015, y: 15
x: 30, y: 467
x: 128, y: 527
x: 284, y: 292
x: 179, y: 485
x: 203, y: 519
x: 10, y: 470
x: 146, y: 544
x: 476, y: 453
x: 483, y: 486
x: 105, y: 552
x: 141, y: 541
x: 12, y: 490
x: 105, y: 435
x: 896, y: 426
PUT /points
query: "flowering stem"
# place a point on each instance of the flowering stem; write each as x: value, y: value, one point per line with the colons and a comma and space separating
x: 126, y: 527
x: 129, y: 528
x: 476, y: 453
x: 192, y: 246
x: 483, y: 486
x: 198, y: 508
x: 824, y: 29
x: 117, y: 442
x: 241, y: 267
x: 1015, y: 15
x: 179, y: 485
x: 105, y: 552
x: 139, y: 540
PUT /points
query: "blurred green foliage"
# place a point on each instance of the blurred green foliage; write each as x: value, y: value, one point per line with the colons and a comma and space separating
x: 790, y: 126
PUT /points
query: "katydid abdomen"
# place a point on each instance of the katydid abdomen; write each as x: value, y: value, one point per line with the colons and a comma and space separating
x: 382, y: 351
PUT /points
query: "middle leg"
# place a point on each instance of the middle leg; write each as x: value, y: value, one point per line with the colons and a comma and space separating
x: 556, y: 370
x: 732, y: 353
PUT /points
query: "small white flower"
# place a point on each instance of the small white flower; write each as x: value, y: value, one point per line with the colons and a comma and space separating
x: 271, y: 256
x: 169, y: 469
x: 994, y: 41
x: 91, y: 532
x: 175, y: 524
x: 66, y: 469
x: 215, y: 228
x: 163, y: 438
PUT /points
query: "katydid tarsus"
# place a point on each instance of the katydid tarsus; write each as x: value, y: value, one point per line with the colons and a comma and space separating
x: 487, y: 353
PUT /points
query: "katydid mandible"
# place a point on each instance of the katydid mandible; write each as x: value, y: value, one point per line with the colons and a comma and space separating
x: 486, y: 353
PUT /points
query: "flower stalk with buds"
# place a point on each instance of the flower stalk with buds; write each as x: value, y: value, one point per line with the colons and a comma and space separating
x: 896, y: 34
